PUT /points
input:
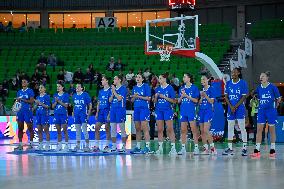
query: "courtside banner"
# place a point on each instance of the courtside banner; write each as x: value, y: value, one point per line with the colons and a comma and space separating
x: 280, y: 129
x: 9, y: 128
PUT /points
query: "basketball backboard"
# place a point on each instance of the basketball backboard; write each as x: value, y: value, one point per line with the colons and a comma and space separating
x: 179, y: 34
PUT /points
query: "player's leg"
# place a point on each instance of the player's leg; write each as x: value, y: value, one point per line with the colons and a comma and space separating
x: 113, y: 126
x: 261, y: 120
x: 170, y: 130
x: 209, y: 137
x: 28, y: 116
x: 137, y: 122
x: 204, y: 139
x: 195, y: 134
x: 241, y: 123
x: 146, y: 131
x: 83, y: 118
x: 59, y: 135
x: 160, y: 126
x: 272, y: 120
x: 229, y: 150
x: 96, y: 148
x: 184, y: 131
x: 40, y: 137
x: 121, y: 117
x: 47, y: 135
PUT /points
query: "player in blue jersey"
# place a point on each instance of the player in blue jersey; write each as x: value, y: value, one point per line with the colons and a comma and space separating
x: 269, y: 99
x: 102, y: 115
x: 188, y: 99
x: 60, y: 103
x: 82, y: 111
x: 141, y: 96
x: 26, y: 97
x: 205, y: 115
x: 118, y: 112
x: 164, y: 98
x: 236, y: 91
x: 42, y: 117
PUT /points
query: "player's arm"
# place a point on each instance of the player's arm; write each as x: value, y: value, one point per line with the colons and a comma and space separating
x: 62, y: 103
x: 98, y: 105
x: 241, y: 101
x: 147, y: 98
x: 195, y: 100
x: 90, y: 109
x: 171, y: 100
x: 210, y: 100
x: 119, y: 98
x: 43, y: 105
x: 29, y: 101
x: 228, y: 101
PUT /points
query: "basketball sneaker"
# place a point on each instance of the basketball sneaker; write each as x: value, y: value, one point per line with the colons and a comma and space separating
x: 106, y: 149
x: 227, y: 152
x: 196, y: 151
x: 182, y: 151
x: 255, y: 154
x: 19, y: 148
x: 47, y: 147
x: 173, y: 152
x: 96, y: 149
x: 59, y: 147
x: 76, y: 149
x: 159, y: 151
x: 66, y: 148
x: 86, y: 149
x: 40, y: 147
x: 122, y: 150
x: 205, y: 152
x: 136, y: 150
x: 272, y: 153
x: 213, y: 151
x: 244, y: 152
x: 147, y: 150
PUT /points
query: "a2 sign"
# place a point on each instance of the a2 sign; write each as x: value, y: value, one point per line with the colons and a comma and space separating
x: 106, y: 22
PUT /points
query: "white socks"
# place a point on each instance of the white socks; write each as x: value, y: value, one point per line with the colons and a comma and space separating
x: 212, y: 145
x: 138, y: 145
x: 206, y: 146
x: 196, y: 146
x: 173, y: 145
x: 230, y: 146
x: 160, y: 145
x: 272, y: 146
x: 147, y: 144
x: 244, y: 145
x: 257, y: 146
x: 183, y: 146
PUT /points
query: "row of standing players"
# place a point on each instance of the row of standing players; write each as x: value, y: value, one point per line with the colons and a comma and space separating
x: 111, y: 111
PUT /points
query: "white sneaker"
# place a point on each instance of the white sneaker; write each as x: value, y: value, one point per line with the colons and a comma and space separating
x: 47, y: 147
x: 66, y: 148
x: 86, y: 149
x: 30, y: 147
x: 76, y: 149
x: 113, y: 150
x: 213, y: 151
x: 182, y: 151
x: 40, y: 147
x: 196, y: 151
x: 59, y: 147
x: 173, y: 152
x: 159, y: 151
x: 122, y: 150
x: 205, y: 152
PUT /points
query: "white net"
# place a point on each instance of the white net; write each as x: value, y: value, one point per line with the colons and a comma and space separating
x: 165, y: 53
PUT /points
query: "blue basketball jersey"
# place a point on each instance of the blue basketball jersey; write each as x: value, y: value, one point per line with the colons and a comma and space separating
x: 103, y: 98
x: 25, y: 94
x: 81, y: 102
x: 121, y: 91
x: 45, y: 99
x: 204, y: 102
x: 192, y: 91
x: 59, y: 109
x: 169, y: 92
x: 267, y: 96
x: 236, y: 91
x: 142, y: 90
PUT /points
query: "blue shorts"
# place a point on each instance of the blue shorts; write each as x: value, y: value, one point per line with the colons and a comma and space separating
x: 103, y: 116
x: 240, y: 113
x: 188, y: 116
x: 25, y: 116
x: 165, y: 115
x: 42, y: 119
x: 141, y: 114
x: 205, y: 115
x: 267, y: 115
x: 60, y: 119
x: 117, y: 115
x: 80, y: 118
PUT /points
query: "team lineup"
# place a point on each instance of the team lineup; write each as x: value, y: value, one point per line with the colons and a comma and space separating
x: 195, y: 106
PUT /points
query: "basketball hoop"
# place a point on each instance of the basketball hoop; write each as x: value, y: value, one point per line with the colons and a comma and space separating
x: 165, y: 52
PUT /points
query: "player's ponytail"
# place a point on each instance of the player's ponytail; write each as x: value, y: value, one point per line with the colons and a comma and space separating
x: 267, y: 73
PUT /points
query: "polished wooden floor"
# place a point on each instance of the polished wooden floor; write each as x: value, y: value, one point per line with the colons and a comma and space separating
x: 140, y: 171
